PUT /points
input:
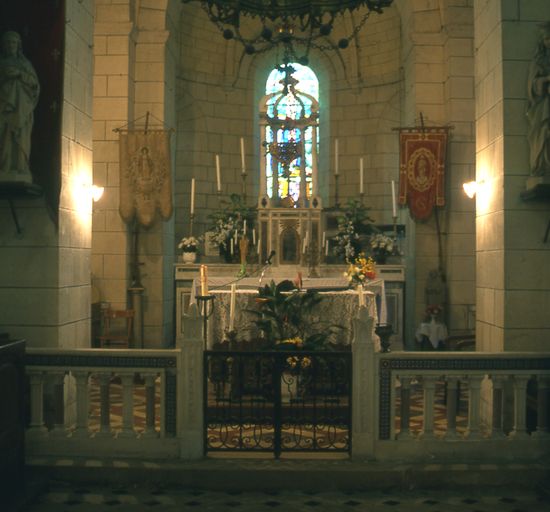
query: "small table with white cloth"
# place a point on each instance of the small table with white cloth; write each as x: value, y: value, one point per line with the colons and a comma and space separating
x: 435, y: 332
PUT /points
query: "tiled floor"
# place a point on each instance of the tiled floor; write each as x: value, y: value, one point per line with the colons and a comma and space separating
x: 79, y: 498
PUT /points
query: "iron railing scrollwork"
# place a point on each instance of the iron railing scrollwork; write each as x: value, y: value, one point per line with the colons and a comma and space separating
x: 277, y: 401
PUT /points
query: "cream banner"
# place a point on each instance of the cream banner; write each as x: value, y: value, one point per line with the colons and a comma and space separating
x: 145, y: 180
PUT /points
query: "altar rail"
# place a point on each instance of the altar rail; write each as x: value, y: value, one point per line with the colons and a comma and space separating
x: 412, y: 406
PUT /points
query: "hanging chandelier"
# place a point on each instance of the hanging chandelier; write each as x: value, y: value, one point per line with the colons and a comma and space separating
x: 295, y: 25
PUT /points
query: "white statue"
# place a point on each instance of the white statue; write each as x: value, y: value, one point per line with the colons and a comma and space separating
x: 538, y: 113
x: 19, y: 89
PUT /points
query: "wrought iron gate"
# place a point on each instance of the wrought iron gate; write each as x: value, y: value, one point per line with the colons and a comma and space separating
x: 292, y: 401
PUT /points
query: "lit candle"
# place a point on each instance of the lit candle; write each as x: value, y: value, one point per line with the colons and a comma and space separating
x: 192, y: 196
x: 232, y: 304
x: 361, y: 175
x: 242, y: 156
x: 336, y: 157
x: 254, y: 237
x: 394, y: 207
x: 218, y: 173
x: 204, y: 280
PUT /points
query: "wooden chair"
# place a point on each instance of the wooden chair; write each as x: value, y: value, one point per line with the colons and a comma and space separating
x: 118, y: 327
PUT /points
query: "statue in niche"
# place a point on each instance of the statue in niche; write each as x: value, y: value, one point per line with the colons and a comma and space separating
x: 19, y: 90
x: 538, y: 112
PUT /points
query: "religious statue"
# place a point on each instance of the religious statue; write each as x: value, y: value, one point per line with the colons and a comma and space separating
x: 538, y: 112
x: 19, y: 90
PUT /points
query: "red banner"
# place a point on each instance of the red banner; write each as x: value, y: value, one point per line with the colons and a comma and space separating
x: 422, y: 170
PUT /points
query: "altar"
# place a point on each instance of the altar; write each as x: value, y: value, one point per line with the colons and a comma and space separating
x: 337, y: 309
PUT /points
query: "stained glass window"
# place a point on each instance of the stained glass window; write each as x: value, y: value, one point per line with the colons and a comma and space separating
x: 292, y: 95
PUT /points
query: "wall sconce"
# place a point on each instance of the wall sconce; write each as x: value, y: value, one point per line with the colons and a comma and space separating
x: 97, y: 192
x: 470, y: 188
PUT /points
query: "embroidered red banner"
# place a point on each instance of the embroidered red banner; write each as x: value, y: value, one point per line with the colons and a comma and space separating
x: 422, y: 170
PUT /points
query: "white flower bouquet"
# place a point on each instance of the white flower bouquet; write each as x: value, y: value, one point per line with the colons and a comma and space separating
x: 189, y: 244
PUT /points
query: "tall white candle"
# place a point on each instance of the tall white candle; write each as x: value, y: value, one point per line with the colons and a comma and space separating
x: 232, y: 304
x: 361, y: 175
x: 259, y: 246
x: 326, y: 248
x: 244, y: 227
x: 324, y: 238
x: 192, y: 196
x: 393, y: 204
x: 218, y: 174
x: 232, y: 245
x: 336, y: 157
x: 243, y: 168
x: 253, y: 237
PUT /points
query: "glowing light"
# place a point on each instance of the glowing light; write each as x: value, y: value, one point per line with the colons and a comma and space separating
x: 97, y: 193
x: 470, y: 188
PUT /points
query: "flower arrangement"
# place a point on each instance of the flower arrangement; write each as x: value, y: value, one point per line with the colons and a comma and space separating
x: 381, y: 243
x: 231, y: 219
x: 350, y: 225
x: 361, y: 270
x: 434, y: 310
x: 189, y: 244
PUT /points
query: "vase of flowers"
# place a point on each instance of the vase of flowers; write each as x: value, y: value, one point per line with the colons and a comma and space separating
x: 189, y: 246
x: 360, y: 271
x: 381, y: 247
x: 353, y: 222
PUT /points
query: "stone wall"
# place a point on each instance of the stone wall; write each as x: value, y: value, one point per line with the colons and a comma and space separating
x: 513, y: 280
x: 45, y: 270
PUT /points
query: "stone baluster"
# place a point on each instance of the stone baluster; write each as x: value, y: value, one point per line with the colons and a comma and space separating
x: 82, y: 401
x: 105, y: 404
x: 58, y: 403
x: 429, y: 403
x: 150, y: 430
x: 497, y: 429
x: 520, y: 406
x: 363, y: 386
x: 474, y: 405
x: 405, y: 407
x: 37, y: 427
x: 127, y: 381
x: 543, y: 406
x: 452, y: 382
x: 190, y: 387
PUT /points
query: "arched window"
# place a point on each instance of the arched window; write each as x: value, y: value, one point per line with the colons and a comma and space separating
x: 289, y: 118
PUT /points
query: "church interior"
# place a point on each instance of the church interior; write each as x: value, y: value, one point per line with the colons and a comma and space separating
x: 361, y: 187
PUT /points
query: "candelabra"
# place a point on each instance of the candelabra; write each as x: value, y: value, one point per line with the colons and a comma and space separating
x: 206, y: 308
x: 191, y: 220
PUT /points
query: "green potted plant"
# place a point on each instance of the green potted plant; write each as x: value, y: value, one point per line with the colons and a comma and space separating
x: 353, y: 223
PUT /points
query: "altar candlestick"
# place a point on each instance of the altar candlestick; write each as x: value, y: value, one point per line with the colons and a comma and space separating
x: 394, y: 207
x: 204, y: 280
x: 232, y: 304
x: 192, y: 196
x: 218, y: 174
x: 243, y: 169
x: 361, y: 175
x: 336, y: 157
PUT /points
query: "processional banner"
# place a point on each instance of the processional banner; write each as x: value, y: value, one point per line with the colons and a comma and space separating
x: 145, y: 178
x: 422, y: 170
